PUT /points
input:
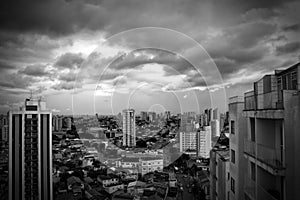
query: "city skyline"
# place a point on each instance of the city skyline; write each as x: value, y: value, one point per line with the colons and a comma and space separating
x: 48, y: 56
x: 166, y: 100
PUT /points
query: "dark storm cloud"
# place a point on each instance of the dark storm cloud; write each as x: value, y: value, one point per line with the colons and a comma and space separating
x: 69, y: 60
x: 63, y: 85
x: 35, y: 70
x: 15, y: 80
x: 174, y: 64
x: 195, y: 80
x: 249, y: 34
x: 233, y: 58
x: 68, y: 77
x: 52, y: 17
x: 290, y: 47
x: 29, y: 29
x: 58, y: 17
x: 259, y: 14
x: 293, y: 27
x: 6, y: 66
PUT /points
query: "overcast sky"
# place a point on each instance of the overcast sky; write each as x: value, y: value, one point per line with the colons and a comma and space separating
x: 62, y: 51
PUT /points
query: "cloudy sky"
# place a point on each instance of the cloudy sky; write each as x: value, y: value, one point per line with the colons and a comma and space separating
x: 87, y: 56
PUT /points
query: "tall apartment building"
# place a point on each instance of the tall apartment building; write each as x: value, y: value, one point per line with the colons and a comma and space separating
x: 152, y: 116
x: 188, y: 142
x: 30, y: 151
x: 57, y: 122
x: 129, y: 136
x: 187, y: 123
x: 167, y: 115
x: 144, y: 115
x: 219, y: 173
x: 204, y: 142
x: 3, y: 128
x: 237, y: 130
x: 272, y: 141
x: 215, y: 128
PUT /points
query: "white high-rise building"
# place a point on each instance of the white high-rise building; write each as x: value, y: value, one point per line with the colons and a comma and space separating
x: 30, y: 151
x: 215, y: 128
x: 129, y: 139
x: 188, y: 141
x: 204, y: 143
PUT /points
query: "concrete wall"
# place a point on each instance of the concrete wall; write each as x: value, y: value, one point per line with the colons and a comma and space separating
x: 292, y: 141
x: 237, y: 169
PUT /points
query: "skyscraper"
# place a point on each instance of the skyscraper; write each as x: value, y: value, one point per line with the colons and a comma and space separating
x: 30, y: 151
x: 129, y: 128
x: 3, y: 128
x: 188, y: 142
x: 204, y: 142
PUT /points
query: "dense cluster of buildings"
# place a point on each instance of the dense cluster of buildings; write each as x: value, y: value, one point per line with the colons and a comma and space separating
x: 199, y: 132
x: 253, y: 149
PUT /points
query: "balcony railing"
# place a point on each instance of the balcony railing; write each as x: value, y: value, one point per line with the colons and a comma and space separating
x: 249, y: 147
x: 250, y: 102
x: 249, y: 187
x: 267, y: 194
x: 269, y: 100
x: 271, y: 156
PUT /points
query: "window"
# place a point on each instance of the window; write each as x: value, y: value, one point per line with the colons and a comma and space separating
x: 284, y: 82
x: 279, y: 83
x: 232, y: 156
x: 228, y: 176
x: 232, y: 185
x: 252, y: 127
x: 294, y: 81
x: 232, y: 127
x: 253, y: 171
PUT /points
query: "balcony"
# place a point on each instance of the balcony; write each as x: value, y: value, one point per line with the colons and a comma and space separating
x: 235, y: 99
x: 271, y: 156
x: 250, y: 102
x: 264, y: 194
x: 264, y: 101
x: 249, y: 187
x: 249, y: 148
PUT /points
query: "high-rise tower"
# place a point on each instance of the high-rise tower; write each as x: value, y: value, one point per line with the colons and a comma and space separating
x: 129, y: 128
x: 30, y: 151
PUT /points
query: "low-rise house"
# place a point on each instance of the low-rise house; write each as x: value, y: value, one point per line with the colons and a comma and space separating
x: 114, y: 187
x: 74, y: 182
x: 149, y: 164
x: 108, y: 180
x: 128, y: 162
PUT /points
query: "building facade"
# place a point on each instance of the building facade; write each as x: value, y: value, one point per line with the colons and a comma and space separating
x: 204, y: 142
x: 219, y: 173
x: 237, y: 130
x: 129, y: 135
x: 3, y: 128
x: 188, y: 141
x: 30, y: 152
x: 271, y: 146
x: 149, y: 164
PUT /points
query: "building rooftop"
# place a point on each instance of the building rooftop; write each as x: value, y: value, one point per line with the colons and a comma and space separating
x: 151, y: 158
x: 129, y: 159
